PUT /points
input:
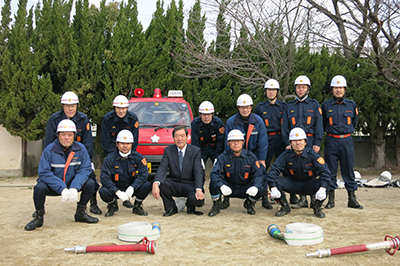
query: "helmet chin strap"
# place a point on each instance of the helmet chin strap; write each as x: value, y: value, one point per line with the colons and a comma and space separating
x: 271, y: 100
x: 338, y: 99
x: 124, y: 154
x: 302, y: 98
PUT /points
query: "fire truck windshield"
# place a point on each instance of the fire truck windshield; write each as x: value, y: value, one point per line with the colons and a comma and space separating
x: 161, y: 114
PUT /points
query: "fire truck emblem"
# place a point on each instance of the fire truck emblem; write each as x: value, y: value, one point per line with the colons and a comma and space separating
x: 155, y: 139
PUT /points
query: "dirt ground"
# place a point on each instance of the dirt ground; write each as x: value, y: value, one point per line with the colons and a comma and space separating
x: 231, y: 238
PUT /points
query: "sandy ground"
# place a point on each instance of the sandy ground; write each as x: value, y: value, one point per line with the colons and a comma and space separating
x: 231, y: 238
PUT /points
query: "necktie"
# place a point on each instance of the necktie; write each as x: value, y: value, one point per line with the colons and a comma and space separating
x: 180, y: 160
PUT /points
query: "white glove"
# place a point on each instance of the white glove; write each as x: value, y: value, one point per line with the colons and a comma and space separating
x: 129, y: 191
x: 93, y: 167
x: 73, y: 195
x: 122, y: 195
x: 275, y: 193
x: 321, y: 194
x: 252, y: 191
x: 226, y: 190
x: 65, y: 195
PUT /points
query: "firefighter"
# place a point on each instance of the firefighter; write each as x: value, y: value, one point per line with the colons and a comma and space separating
x: 340, y: 119
x: 304, y: 172
x: 237, y: 173
x: 124, y: 175
x: 305, y: 113
x: 70, y: 103
x: 114, y: 121
x: 64, y: 170
x: 208, y: 133
x: 271, y: 111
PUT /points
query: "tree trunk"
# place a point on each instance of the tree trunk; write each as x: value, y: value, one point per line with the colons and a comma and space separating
x: 397, y: 150
x: 377, y: 147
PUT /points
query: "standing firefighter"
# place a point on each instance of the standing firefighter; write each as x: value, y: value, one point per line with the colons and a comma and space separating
x: 64, y: 170
x: 304, y: 172
x: 271, y: 111
x: 208, y: 133
x: 340, y: 119
x: 124, y: 175
x: 115, y: 121
x: 70, y: 103
x: 305, y: 113
x: 253, y: 128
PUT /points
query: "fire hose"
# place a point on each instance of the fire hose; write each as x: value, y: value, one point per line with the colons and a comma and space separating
x: 391, y: 244
x: 146, y: 246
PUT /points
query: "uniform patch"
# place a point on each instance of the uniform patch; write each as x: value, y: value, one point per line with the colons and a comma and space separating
x: 144, y: 162
x: 116, y: 167
x: 137, y: 124
x: 221, y: 130
x: 321, y: 160
x: 320, y: 110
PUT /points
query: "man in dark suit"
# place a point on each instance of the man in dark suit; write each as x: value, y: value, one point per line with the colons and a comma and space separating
x: 180, y: 174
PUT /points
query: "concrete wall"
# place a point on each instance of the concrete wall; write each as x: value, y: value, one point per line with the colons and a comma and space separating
x: 12, y: 155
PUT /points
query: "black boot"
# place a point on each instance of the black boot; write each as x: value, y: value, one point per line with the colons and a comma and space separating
x: 225, y: 204
x: 317, y: 209
x: 138, y: 209
x: 35, y: 212
x: 82, y: 216
x: 303, y: 203
x: 37, y: 222
x: 352, y: 203
x: 127, y: 204
x: 112, y: 207
x: 285, y: 208
x: 93, y: 205
x: 293, y: 199
x: 331, y: 200
x: 249, y: 205
x: 265, y: 201
x: 312, y: 201
x: 215, y: 208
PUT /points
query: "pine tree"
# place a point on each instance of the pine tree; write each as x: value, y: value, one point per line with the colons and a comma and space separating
x: 28, y: 99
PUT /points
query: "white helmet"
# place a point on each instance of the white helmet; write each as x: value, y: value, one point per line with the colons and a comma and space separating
x: 386, y: 174
x: 244, y: 100
x: 272, y: 84
x: 121, y: 101
x: 357, y: 175
x: 235, y: 134
x: 338, y: 81
x: 125, y: 136
x: 297, y: 133
x: 69, y: 97
x: 66, y: 125
x: 206, y: 107
x: 302, y: 80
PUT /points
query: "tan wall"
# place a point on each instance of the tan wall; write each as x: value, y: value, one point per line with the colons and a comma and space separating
x: 11, y: 155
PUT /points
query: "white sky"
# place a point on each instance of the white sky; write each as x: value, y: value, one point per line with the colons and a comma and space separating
x: 146, y: 8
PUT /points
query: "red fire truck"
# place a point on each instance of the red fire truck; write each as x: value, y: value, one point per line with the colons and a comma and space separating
x: 157, y: 118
